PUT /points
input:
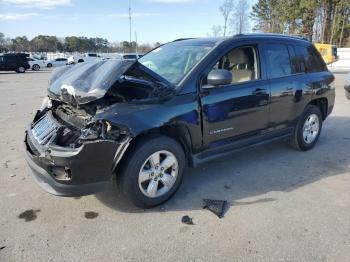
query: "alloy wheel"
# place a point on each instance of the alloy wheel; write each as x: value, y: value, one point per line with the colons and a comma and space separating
x: 158, y: 174
x: 311, y: 128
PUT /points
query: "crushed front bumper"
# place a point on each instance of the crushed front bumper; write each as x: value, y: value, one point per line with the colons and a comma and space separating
x: 86, y: 170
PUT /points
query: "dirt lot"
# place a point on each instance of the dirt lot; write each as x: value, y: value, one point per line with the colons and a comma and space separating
x: 284, y: 205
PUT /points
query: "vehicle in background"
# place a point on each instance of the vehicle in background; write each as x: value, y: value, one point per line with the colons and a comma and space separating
x: 347, y: 86
x: 83, y: 58
x: 57, y: 62
x: 328, y: 52
x: 36, y: 64
x: 14, y: 62
x: 131, y: 56
x: 184, y: 103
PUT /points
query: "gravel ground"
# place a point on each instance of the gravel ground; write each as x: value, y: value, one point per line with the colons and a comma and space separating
x: 284, y: 205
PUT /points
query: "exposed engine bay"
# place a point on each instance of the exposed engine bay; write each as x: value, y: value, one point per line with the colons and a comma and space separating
x: 76, y: 98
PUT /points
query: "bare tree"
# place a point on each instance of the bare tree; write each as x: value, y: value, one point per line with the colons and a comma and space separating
x: 216, y: 30
x: 226, y: 10
x: 240, y: 18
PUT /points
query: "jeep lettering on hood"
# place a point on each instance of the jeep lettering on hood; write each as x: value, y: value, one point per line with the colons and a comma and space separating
x: 87, y: 82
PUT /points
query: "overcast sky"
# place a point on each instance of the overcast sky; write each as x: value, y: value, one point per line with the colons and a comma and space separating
x: 153, y: 20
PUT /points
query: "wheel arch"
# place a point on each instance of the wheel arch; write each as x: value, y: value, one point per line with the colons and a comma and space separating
x: 322, y: 104
x: 177, y: 132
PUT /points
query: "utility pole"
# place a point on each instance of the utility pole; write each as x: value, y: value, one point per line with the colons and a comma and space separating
x: 136, y: 42
x: 130, y: 21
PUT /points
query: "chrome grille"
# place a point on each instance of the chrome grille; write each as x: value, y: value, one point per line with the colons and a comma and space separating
x: 45, y: 129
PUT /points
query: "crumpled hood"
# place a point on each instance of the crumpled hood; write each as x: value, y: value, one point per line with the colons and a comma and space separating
x: 86, y: 82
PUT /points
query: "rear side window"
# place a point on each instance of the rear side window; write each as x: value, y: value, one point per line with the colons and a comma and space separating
x: 310, y: 61
x: 278, y: 60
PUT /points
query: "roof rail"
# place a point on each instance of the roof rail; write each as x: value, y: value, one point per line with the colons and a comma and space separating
x: 272, y: 34
x: 182, y: 39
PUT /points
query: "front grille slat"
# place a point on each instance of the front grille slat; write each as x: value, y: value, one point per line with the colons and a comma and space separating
x: 45, y: 128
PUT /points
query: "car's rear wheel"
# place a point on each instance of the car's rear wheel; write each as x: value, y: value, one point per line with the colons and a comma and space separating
x: 308, y: 129
x: 20, y: 69
x: 36, y: 67
x: 49, y: 65
x: 151, y: 171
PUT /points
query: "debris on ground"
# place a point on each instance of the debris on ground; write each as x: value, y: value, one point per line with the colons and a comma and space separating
x: 29, y: 215
x: 187, y: 220
x: 216, y: 206
x: 12, y: 175
x: 2, y: 247
x: 91, y: 215
x: 6, y: 165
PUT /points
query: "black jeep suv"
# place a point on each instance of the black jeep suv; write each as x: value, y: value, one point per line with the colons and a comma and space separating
x: 14, y: 62
x: 185, y: 102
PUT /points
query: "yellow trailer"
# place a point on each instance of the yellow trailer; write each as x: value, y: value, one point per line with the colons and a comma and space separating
x: 328, y: 52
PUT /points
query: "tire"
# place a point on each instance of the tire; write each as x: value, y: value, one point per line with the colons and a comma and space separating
x: 137, y: 162
x: 80, y: 61
x: 311, y: 123
x: 49, y: 65
x: 21, y: 69
x: 36, y: 67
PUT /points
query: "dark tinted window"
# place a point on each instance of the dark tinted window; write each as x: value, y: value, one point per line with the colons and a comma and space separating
x: 11, y: 58
x: 278, y: 61
x: 309, y: 59
x: 293, y: 59
x: 130, y: 57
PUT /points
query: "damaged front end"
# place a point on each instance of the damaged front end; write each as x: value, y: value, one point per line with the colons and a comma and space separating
x: 69, y: 148
x: 69, y: 161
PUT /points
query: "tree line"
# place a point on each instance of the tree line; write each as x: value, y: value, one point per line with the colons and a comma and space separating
x: 323, y: 21
x: 46, y: 43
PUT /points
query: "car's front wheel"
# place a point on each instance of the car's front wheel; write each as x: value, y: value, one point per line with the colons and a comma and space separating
x: 308, y: 129
x: 49, y: 65
x: 151, y: 171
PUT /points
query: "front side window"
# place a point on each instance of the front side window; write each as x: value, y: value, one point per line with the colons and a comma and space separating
x: 174, y: 60
x: 242, y: 62
x: 278, y: 60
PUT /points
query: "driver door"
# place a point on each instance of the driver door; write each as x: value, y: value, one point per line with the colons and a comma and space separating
x: 241, y: 108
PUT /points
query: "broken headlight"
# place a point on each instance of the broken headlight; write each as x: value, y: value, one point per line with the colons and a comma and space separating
x: 101, y: 130
x: 46, y: 103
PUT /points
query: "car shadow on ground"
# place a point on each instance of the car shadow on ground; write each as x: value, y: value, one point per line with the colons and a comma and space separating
x: 255, y: 172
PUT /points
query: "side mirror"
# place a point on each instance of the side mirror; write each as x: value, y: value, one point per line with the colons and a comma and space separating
x: 218, y: 77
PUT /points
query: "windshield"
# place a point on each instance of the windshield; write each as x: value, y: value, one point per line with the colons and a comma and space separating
x: 174, y: 60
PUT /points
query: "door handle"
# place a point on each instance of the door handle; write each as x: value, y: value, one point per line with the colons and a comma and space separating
x: 259, y: 91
